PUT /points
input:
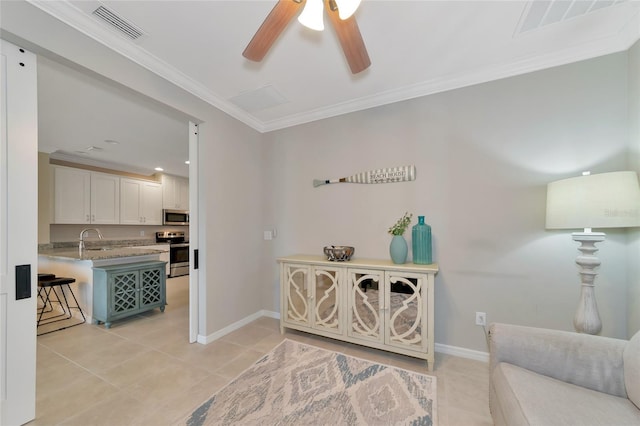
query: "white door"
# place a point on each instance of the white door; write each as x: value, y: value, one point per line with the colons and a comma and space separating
x: 18, y: 233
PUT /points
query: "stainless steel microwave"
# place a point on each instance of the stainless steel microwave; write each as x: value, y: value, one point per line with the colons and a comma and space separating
x: 175, y: 217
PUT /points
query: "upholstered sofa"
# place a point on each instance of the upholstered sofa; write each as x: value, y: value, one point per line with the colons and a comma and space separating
x: 550, y: 377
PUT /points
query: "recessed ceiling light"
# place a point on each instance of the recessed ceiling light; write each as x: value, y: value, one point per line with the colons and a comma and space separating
x: 81, y: 152
x: 159, y: 169
x: 186, y: 162
x: 111, y: 142
x: 94, y: 148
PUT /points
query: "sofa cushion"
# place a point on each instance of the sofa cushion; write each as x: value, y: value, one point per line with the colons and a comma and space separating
x: 631, y: 357
x: 528, y: 398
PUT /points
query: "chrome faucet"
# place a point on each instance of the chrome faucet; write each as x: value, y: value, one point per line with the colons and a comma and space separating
x: 85, y: 231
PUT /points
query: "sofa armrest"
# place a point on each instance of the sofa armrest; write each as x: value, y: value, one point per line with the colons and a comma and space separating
x: 594, y: 362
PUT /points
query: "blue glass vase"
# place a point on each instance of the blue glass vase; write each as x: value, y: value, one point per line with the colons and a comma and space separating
x: 398, y: 249
x: 421, y: 243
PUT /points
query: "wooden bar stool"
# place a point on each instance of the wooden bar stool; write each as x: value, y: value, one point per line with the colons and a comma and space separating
x: 48, y: 287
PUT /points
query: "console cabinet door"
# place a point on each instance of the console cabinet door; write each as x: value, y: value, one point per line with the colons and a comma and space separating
x: 123, y: 292
x: 152, y: 287
x: 405, y: 313
x: 297, y: 294
x: 365, y: 301
x: 327, y: 300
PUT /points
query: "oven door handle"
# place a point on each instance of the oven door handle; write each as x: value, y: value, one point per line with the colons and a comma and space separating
x: 180, y: 245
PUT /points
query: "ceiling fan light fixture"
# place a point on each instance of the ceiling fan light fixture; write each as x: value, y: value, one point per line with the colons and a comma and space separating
x: 312, y: 15
x: 346, y: 8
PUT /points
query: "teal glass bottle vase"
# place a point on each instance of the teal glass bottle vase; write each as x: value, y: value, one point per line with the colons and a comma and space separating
x: 421, y: 243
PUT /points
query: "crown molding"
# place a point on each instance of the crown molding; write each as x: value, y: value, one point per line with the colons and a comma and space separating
x: 79, y: 20
x: 65, y: 157
x: 620, y: 42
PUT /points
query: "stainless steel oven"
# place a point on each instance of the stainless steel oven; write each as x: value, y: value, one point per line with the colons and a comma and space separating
x: 178, y: 252
x: 179, y: 259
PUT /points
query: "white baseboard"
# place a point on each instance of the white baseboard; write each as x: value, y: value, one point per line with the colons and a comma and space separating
x: 444, y: 349
x: 462, y: 352
x: 236, y: 325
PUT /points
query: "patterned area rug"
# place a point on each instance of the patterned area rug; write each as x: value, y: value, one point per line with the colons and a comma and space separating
x: 298, y: 384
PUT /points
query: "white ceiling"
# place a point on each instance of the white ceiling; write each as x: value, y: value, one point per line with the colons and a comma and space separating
x: 416, y: 48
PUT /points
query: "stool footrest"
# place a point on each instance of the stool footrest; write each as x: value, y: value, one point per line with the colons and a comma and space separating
x: 49, y: 286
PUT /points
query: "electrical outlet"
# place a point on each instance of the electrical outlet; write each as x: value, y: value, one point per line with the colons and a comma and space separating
x: 481, y: 318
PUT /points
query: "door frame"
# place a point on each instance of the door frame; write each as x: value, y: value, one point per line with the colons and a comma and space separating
x: 194, y: 291
x: 19, y: 232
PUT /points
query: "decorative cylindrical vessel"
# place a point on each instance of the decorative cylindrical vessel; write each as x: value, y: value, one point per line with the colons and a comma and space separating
x: 421, y: 243
x: 398, y: 249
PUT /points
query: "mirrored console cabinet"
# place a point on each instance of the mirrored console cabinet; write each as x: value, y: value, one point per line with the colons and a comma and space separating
x: 370, y: 302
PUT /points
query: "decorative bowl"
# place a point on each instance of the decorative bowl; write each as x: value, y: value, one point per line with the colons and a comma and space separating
x: 339, y: 253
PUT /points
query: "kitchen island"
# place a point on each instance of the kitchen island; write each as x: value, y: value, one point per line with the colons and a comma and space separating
x: 79, y: 264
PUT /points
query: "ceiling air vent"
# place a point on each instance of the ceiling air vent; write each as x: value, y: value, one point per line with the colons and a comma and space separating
x: 120, y: 24
x: 539, y: 13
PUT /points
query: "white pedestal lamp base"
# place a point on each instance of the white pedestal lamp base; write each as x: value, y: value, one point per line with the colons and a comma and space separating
x: 587, y: 319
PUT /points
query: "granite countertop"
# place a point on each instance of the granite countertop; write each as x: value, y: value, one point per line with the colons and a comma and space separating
x: 98, y: 249
x: 96, y: 254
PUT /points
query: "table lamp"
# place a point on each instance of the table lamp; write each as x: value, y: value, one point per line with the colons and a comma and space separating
x: 606, y: 200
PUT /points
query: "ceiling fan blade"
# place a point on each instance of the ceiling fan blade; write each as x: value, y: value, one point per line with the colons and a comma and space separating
x: 273, y: 25
x: 350, y: 39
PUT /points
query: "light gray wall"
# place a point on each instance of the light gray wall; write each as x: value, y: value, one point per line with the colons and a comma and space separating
x: 484, y: 155
x: 633, y: 298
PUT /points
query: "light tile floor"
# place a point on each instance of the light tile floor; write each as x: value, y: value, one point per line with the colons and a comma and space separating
x: 143, y: 371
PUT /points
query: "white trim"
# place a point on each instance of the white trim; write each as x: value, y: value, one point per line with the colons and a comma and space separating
x: 79, y: 20
x: 236, y: 325
x: 439, y: 347
x: 456, y: 81
x: 76, y: 18
x: 194, y: 236
x: 462, y: 352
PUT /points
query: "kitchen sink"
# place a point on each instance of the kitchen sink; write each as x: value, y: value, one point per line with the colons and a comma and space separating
x: 99, y: 249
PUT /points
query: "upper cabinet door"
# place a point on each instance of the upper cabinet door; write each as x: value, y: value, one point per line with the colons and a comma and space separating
x: 168, y: 192
x: 105, y: 198
x: 151, y: 204
x: 140, y: 202
x: 130, y: 197
x: 72, y: 195
x: 182, y: 194
x: 175, y: 191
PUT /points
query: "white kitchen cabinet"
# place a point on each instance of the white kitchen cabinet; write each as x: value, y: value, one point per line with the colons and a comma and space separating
x: 82, y: 196
x: 140, y: 202
x: 370, y: 302
x: 175, y: 192
x: 105, y: 198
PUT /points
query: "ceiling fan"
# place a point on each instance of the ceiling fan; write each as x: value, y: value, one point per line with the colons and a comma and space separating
x: 343, y: 22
